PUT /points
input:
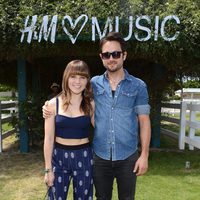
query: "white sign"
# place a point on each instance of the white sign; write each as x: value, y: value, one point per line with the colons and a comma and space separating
x: 36, y: 32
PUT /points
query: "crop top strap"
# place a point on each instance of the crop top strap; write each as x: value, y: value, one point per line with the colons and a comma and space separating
x: 57, y: 105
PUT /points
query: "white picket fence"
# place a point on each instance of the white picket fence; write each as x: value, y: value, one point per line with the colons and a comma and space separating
x: 9, y: 94
x: 11, y: 106
x: 184, y: 108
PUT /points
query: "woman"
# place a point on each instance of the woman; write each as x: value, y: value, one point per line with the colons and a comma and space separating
x: 66, y: 145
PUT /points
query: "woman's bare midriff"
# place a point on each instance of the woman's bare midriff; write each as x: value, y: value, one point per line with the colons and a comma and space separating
x: 72, y: 141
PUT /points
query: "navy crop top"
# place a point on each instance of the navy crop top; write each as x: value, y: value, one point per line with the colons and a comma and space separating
x: 71, y: 127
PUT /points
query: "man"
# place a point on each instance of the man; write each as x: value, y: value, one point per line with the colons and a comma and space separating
x: 121, y: 104
x: 54, y: 90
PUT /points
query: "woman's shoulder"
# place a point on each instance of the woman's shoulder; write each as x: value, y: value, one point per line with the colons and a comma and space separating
x: 52, y: 104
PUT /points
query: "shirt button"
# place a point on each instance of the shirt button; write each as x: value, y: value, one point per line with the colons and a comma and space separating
x: 113, y: 143
x: 112, y: 108
x: 111, y: 119
x: 112, y: 131
x: 115, y: 96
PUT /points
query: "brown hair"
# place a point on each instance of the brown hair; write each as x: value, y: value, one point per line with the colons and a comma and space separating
x: 113, y: 36
x: 77, y: 67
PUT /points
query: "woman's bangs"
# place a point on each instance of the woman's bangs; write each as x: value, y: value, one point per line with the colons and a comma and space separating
x: 79, y: 70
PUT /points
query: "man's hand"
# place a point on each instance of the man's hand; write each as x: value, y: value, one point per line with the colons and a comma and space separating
x: 46, y: 113
x: 141, y: 166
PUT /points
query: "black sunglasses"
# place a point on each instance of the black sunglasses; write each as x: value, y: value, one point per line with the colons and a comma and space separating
x: 115, y: 55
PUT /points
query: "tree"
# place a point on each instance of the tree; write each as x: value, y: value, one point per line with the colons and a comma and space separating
x: 182, y: 53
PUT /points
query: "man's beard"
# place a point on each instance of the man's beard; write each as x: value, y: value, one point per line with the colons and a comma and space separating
x: 115, y: 69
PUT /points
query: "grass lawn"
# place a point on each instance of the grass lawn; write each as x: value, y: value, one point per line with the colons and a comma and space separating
x: 21, y: 175
x: 167, y: 178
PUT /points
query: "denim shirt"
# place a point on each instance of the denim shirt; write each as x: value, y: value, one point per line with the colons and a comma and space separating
x: 116, y: 122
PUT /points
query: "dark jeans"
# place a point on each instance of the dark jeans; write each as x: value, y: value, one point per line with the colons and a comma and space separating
x: 105, y: 171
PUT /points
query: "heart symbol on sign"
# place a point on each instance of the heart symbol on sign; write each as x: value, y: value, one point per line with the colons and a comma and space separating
x: 73, y: 26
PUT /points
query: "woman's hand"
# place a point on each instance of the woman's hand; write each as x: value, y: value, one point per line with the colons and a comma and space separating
x: 49, y: 178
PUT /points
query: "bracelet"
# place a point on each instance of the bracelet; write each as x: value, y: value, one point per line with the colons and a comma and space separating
x: 47, y: 170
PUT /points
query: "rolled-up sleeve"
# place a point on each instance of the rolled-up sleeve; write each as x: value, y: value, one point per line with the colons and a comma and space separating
x: 142, y: 100
x: 142, y: 109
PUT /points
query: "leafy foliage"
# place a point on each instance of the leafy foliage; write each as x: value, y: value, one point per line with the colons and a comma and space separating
x: 32, y: 119
x: 192, y: 84
x: 4, y: 88
x: 181, y: 52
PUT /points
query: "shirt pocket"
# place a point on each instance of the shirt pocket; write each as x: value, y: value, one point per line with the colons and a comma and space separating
x: 100, y: 92
x: 99, y: 95
x: 127, y: 99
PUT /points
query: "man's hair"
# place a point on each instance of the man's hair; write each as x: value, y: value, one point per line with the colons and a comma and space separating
x: 113, y: 36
